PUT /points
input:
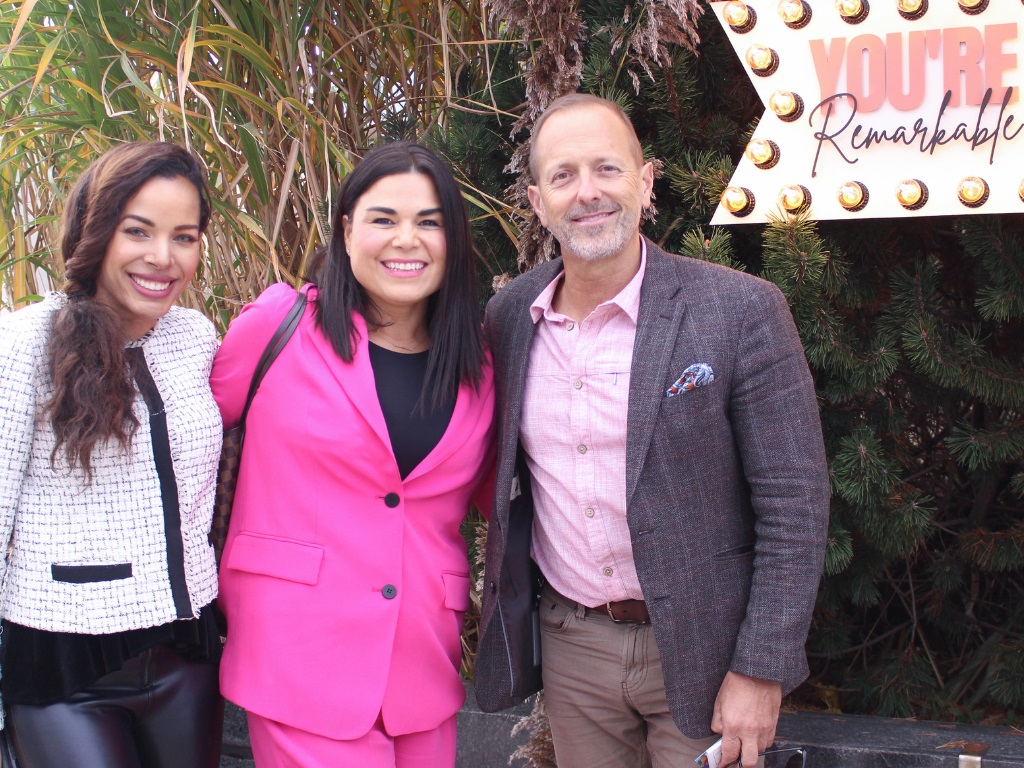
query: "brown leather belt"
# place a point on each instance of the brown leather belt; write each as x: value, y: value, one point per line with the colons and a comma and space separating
x: 625, y: 611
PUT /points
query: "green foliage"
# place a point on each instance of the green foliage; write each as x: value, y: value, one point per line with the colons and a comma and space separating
x: 277, y: 99
x: 699, y: 177
x: 1006, y: 674
x: 994, y: 551
x: 897, y: 687
x: 716, y: 247
x: 839, y: 551
x: 861, y: 473
x: 1001, y: 255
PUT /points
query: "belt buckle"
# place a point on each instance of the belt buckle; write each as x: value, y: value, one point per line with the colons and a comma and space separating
x: 611, y: 615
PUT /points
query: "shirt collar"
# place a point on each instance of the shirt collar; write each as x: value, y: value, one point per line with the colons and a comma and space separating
x: 628, y: 299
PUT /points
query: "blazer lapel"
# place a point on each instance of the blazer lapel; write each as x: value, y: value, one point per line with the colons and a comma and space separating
x: 511, y: 357
x: 355, y: 378
x: 662, y: 307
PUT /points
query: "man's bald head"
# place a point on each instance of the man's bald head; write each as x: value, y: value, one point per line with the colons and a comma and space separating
x: 577, y: 101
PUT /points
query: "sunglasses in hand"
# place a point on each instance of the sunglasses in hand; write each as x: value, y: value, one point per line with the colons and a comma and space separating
x: 791, y: 763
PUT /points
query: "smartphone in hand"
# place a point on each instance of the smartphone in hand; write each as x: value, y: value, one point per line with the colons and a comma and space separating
x: 710, y: 757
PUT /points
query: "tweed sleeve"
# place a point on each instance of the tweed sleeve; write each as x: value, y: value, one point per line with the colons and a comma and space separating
x: 776, y: 425
x: 21, y: 353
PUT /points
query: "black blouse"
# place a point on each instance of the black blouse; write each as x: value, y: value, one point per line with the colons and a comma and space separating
x: 399, y: 380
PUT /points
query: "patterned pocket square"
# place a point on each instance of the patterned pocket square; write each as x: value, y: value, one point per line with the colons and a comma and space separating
x: 697, y: 375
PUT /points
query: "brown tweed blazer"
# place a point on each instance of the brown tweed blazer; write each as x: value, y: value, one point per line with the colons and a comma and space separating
x: 727, y: 488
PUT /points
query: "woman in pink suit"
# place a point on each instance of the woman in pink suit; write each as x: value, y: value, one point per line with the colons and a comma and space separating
x: 345, y: 576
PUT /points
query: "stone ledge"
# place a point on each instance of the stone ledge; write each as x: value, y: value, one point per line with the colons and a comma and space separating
x: 859, y: 741
x: 485, y: 739
x: 832, y: 741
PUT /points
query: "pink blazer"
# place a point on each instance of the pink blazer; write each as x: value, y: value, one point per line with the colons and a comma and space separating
x: 344, y: 586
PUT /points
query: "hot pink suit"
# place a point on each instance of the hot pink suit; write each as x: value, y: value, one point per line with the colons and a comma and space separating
x: 344, y: 586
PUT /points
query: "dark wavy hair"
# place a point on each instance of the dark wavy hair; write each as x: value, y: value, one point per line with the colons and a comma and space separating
x: 93, y: 388
x: 453, y: 313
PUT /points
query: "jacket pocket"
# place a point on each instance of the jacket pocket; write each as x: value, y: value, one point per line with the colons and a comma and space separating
x: 735, y: 553
x: 695, y: 399
x: 456, y: 591
x: 281, y: 558
x: 89, y: 574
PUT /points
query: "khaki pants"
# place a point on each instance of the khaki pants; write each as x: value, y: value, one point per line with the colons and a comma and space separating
x: 605, y: 694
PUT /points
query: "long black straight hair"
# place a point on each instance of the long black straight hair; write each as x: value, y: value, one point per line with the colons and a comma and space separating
x: 453, y: 313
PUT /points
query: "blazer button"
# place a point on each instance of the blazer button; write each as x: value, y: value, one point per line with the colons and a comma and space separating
x: 494, y: 588
x: 392, y: 500
x: 389, y: 591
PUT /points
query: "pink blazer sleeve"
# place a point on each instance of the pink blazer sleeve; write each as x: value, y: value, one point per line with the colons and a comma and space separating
x: 243, y: 344
x: 483, y: 496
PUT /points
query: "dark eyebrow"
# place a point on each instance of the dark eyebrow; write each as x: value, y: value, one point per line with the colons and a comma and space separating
x: 149, y: 223
x: 393, y: 212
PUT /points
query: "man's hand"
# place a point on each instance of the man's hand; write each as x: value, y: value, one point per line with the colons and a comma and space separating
x: 746, y: 713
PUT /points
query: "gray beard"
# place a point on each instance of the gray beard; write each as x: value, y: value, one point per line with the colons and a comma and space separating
x: 599, y: 245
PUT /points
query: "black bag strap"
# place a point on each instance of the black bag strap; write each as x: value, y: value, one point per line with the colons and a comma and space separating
x: 273, y: 349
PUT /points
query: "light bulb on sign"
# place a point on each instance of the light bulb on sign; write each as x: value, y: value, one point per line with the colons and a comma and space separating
x: 852, y: 11
x: 795, y: 198
x: 739, y: 16
x: 912, y: 9
x: 972, y: 6
x: 972, y: 191
x: 1020, y: 191
x: 853, y: 196
x: 764, y: 153
x: 762, y: 59
x: 739, y: 201
x: 794, y: 13
x: 787, y: 105
x: 912, y: 194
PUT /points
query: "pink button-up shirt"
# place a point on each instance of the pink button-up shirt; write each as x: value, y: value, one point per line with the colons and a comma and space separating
x: 573, y: 430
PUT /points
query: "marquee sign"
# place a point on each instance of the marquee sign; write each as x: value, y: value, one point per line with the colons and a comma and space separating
x: 879, y: 108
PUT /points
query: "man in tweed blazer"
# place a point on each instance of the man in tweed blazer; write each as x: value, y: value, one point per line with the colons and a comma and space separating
x: 661, y: 473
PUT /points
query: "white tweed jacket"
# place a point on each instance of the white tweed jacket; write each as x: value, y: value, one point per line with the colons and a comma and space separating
x: 97, y: 557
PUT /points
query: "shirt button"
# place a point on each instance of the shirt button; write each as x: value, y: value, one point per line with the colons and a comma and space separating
x: 577, y: 384
x: 392, y: 500
x: 589, y: 512
x: 581, y: 448
x: 607, y: 571
x: 570, y: 326
x: 389, y: 591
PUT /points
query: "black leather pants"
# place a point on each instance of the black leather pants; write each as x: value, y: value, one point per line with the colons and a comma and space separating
x: 157, y: 711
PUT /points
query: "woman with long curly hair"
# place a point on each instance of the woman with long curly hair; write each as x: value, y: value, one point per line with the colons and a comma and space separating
x: 109, y: 439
